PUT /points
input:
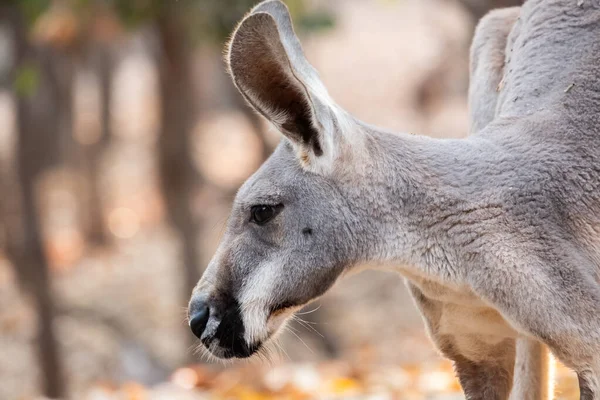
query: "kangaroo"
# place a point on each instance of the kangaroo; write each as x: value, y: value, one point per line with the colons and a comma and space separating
x: 496, y: 235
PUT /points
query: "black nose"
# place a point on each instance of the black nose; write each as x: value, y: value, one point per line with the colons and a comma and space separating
x: 199, y: 319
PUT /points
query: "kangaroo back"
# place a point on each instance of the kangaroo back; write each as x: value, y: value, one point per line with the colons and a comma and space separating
x: 552, y: 59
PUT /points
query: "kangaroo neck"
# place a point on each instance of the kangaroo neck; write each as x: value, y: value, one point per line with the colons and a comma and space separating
x: 422, y: 198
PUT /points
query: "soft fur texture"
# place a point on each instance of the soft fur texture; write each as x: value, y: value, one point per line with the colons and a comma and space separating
x: 497, y: 235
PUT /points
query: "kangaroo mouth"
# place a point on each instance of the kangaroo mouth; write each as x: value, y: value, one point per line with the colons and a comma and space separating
x: 228, y: 340
x: 224, y: 336
x: 238, y: 349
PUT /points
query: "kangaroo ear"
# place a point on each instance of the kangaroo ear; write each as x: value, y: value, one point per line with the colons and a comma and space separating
x: 269, y: 68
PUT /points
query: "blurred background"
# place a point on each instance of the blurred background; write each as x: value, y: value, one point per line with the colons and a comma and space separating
x: 122, y: 144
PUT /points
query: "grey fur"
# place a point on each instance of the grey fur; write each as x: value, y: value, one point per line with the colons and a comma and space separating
x: 497, y: 235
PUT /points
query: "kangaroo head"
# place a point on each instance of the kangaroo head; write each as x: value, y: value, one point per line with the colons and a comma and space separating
x: 291, y: 231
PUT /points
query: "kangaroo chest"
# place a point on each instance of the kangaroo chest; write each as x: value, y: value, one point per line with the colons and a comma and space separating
x: 458, y: 315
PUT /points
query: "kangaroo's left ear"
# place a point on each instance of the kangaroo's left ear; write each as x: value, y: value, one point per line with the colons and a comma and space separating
x: 269, y: 68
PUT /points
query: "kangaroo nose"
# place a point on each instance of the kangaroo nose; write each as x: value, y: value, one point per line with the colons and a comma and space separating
x: 199, y: 319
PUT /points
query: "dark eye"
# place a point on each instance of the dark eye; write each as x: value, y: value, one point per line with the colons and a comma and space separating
x: 262, y: 214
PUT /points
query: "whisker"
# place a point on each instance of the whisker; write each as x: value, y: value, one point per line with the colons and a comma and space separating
x: 221, y: 221
x: 309, y: 312
x: 280, y: 347
x: 273, y: 354
x: 186, y: 317
x: 313, y: 323
x: 291, y: 330
x: 307, y: 326
x: 201, y: 351
x: 193, y: 348
x: 268, y: 356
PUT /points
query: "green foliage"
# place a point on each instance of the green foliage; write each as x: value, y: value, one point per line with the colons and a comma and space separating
x: 27, y: 80
x: 211, y: 21
x: 137, y: 12
x: 32, y: 9
x: 219, y: 17
x: 316, y: 21
x: 205, y: 21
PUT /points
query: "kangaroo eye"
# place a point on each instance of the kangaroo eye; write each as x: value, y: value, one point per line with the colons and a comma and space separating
x: 262, y: 214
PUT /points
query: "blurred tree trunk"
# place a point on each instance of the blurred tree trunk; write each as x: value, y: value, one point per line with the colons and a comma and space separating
x: 82, y: 159
x: 441, y: 81
x: 63, y: 74
x: 95, y: 227
x: 478, y: 8
x: 104, y: 68
x: 37, y: 125
x: 178, y: 175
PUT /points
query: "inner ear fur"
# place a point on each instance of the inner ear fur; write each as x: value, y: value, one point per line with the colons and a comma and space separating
x: 262, y: 71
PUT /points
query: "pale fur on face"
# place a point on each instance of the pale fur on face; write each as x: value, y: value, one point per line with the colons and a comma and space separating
x: 255, y: 302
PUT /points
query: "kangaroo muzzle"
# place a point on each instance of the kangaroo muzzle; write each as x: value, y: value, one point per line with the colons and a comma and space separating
x: 219, y: 326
